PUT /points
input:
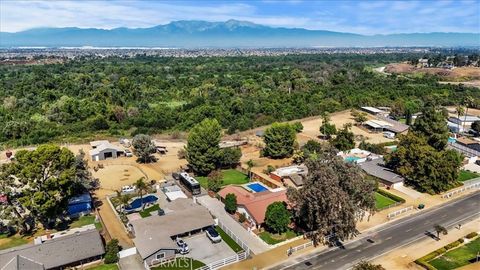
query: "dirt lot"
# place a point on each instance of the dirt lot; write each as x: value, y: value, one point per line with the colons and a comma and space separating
x: 455, y: 74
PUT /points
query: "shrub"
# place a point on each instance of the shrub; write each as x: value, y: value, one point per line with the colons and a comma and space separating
x: 297, y: 126
x: 242, y: 218
x: 471, y: 235
x: 461, y: 240
x: 111, y: 252
x: 452, y: 245
x: 391, y: 196
x: 231, y: 203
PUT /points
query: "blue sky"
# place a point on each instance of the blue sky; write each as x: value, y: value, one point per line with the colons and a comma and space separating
x: 363, y: 17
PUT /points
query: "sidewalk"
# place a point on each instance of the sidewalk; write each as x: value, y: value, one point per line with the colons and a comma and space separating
x: 216, y: 207
x: 403, y: 258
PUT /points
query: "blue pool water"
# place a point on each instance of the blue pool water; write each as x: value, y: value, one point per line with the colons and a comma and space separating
x: 351, y: 159
x: 257, y: 187
x: 451, y: 140
x: 137, y: 203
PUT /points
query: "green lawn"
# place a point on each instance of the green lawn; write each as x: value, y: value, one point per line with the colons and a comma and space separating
x: 382, y: 201
x: 181, y: 263
x: 12, y: 241
x: 146, y: 213
x: 272, y: 239
x: 105, y: 267
x: 466, y: 175
x: 85, y: 220
x: 230, y: 176
x: 230, y: 242
x: 457, y: 257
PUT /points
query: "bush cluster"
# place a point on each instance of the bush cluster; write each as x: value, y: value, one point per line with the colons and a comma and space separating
x: 471, y: 235
x: 391, y: 196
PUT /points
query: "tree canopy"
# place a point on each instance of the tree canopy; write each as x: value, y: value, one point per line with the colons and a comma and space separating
x: 431, y: 124
x: 277, y: 217
x: 345, y: 139
x: 38, y: 185
x: 279, y: 140
x: 335, y: 196
x: 143, y: 148
x: 202, y: 147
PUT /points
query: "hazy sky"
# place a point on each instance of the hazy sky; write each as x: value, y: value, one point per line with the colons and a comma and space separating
x: 364, y: 17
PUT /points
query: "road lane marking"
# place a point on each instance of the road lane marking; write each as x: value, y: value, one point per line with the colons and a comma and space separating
x: 408, y: 230
x: 389, y: 238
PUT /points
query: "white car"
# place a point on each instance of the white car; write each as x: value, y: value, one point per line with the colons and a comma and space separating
x: 213, y: 235
x: 184, y: 249
x: 128, y: 153
x: 128, y: 189
x: 389, y: 135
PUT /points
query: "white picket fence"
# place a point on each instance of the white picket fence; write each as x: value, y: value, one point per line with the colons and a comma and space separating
x: 399, y: 212
x: 234, y: 237
x: 291, y: 250
x: 226, y: 261
x: 460, y: 190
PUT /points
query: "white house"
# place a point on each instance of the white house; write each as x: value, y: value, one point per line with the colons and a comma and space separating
x: 105, y: 150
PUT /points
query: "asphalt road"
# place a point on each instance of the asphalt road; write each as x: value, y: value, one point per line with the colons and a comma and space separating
x: 390, y: 236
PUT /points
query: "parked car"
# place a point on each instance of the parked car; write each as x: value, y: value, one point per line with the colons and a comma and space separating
x: 128, y: 153
x: 213, y: 235
x: 388, y: 134
x: 128, y: 189
x: 184, y: 249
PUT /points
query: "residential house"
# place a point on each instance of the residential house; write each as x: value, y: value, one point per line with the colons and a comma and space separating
x: 253, y: 205
x: 423, y: 63
x: 464, y: 121
x: 291, y: 176
x: 386, y: 176
x: 469, y: 143
x: 383, y: 123
x: 59, y: 252
x: 155, y: 235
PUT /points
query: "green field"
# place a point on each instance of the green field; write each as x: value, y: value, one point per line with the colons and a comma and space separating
x: 230, y: 176
x: 230, y: 242
x: 272, y: 239
x: 12, y: 241
x: 382, y: 201
x: 180, y: 264
x: 85, y: 220
x: 105, y: 267
x: 457, y: 257
x: 147, y: 212
x: 466, y: 175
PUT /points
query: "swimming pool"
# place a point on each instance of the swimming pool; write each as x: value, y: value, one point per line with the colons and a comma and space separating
x: 351, y: 159
x: 451, y: 140
x: 257, y: 187
x: 137, y: 203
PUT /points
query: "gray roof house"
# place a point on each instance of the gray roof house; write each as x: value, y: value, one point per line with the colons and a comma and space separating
x: 105, y: 150
x: 377, y: 168
x: 154, y: 235
x: 73, y: 249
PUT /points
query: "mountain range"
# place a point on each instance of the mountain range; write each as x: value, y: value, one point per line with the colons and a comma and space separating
x: 232, y: 33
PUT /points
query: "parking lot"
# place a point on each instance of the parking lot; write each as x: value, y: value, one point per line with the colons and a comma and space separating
x: 202, y: 249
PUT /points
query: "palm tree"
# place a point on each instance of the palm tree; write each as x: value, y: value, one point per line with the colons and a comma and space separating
x: 440, y: 229
x: 460, y: 111
x: 141, y: 186
x: 123, y: 199
x: 468, y: 102
x: 250, y: 164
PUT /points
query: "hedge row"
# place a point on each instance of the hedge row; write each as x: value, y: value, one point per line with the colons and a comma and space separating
x: 424, y: 261
x: 391, y: 196
x: 471, y: 235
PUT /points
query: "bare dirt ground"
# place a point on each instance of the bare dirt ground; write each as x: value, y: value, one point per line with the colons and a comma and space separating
x: 474, y: 83
x: 455, y: 74
x: 452, y: 111
x: 404, y: 257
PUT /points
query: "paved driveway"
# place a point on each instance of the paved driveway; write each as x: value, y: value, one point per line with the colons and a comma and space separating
x: 216, y: 207
x: 131, y: 262
x: 202, y: 249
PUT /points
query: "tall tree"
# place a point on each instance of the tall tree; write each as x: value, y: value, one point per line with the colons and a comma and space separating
x: 277, y: 217
x: 345, y: 139
x: 38, y: 185
x: 476, y: 126
x: 83, y: 176
x: 231, y: 203
x: 334, y: 198
x: 202, y: 146
x: 432, y: 124
x: 327, y: 129
x: 142, y: 188
x: 424, y: 167
x: 229, y: 157
x: 439, y: 229
x: 250, y: 165
x: 460, y: 112
x: 279, y: 141
x: 214, y: 180
x: 143, y: 148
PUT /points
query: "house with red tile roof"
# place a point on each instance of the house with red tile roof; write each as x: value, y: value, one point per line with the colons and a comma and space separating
x: 253, y: 205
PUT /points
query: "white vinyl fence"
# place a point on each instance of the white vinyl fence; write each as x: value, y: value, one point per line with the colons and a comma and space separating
x: 399, y: 212
x: 461, y: 190
x: 234, y: 237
